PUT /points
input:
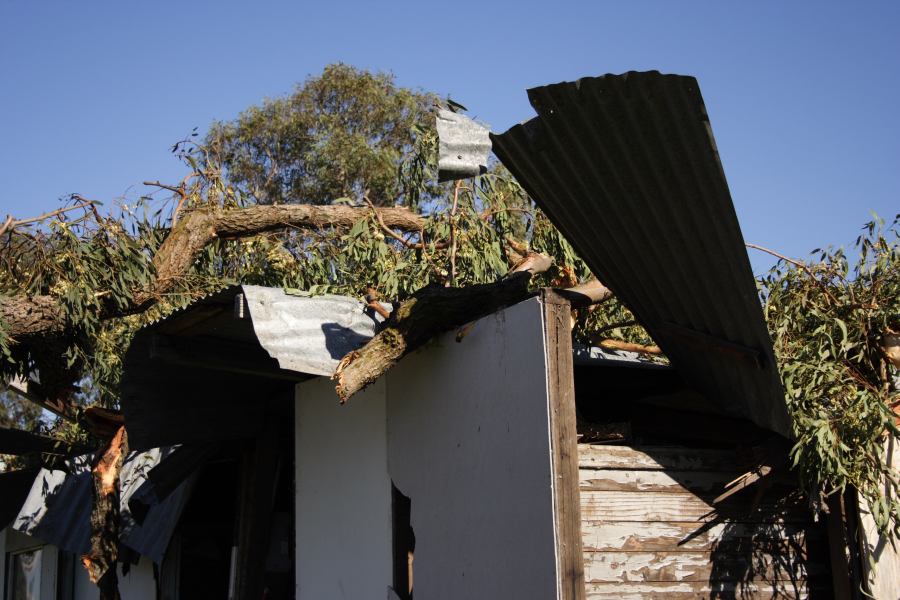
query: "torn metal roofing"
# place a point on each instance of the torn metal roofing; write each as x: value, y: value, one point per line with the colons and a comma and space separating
x: 463, y: 146
x: 57, y: 510
x: 627, y: 168
x: 210, y: 371
x: 307, y: 334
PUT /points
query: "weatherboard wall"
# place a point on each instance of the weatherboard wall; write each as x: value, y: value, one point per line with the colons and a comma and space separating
x: 650, y: 529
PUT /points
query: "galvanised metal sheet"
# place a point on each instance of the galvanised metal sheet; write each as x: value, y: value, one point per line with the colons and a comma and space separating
x: 627, y: 168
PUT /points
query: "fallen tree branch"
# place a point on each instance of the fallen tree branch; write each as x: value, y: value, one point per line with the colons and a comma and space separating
x: 434, y: 310
x: 611, y: 344
x: 28, y: 318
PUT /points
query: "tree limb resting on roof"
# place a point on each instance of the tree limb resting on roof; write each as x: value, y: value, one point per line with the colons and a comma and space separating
x: 436, y: 309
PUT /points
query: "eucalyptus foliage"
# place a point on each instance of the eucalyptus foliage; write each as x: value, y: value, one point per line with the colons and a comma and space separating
x: 829, y: 322
x: 342, y: 133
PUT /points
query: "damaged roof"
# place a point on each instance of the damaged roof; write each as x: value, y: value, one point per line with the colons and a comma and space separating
x: 627, y: 168
x: 57, y: 509
x: 211, y: 371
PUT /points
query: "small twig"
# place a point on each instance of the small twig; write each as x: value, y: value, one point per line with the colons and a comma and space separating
x: 800, y: 265
x: 45, y: 216
x: 180, y: 190
x: 158, y: 184
x: 6, y: 224
x: 393, y: 234
x: 487, y: 214
x: 612, y: 326
x: 452, y: 279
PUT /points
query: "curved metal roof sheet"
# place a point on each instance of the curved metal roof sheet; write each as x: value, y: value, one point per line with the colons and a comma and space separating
x: 627, y: 168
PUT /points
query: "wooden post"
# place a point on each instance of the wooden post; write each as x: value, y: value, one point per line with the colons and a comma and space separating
x: 563, y: 445
x: 259, y: 474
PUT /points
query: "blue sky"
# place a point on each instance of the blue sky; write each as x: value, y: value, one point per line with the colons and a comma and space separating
x: 804, y: 97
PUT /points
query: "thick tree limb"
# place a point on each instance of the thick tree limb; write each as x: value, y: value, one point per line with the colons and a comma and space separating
x: 180, y: 249
x: 28, y: 318
x: 434, y: 310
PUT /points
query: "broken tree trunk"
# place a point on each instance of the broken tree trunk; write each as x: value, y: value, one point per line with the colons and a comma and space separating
x: 434, y: 310
x: 100, y: 561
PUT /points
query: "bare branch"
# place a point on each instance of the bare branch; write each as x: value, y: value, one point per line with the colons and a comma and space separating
x: 630, y: 347
x: 800, y: 265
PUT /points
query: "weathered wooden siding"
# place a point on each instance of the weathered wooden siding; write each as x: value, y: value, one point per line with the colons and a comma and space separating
x: 649, y: 530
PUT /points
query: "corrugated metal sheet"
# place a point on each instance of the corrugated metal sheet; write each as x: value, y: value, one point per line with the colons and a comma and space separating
x: 308, y: 334
x: 463, y: 146
x: 58, y: 507
x: 627, y: 169
x: 209, y: 372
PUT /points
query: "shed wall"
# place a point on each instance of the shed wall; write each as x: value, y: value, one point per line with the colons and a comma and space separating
x: 649, y: 529
x: 468, y: 432
x: 885, y: 579
x: 343, y: 505
x: 462, y: 429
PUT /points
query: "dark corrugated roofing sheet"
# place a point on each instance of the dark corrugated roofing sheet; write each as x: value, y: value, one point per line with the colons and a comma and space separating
x: 57, y: 510
x: 627, y: 169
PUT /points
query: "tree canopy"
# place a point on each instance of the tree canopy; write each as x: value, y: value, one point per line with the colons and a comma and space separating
x: 341, y: 134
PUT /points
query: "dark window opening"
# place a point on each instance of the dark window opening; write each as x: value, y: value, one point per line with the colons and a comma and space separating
x: 404, y: 544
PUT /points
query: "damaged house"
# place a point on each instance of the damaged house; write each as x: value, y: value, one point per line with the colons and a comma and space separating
x: 497, y: 461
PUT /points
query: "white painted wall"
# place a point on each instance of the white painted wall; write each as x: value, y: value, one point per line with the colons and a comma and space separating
x: 468, y: 442
x: 139, y: 584
x: 463, y: 430
x: 343, y: 519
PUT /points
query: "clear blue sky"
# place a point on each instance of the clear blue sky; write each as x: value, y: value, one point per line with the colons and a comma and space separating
x: 804, y: 97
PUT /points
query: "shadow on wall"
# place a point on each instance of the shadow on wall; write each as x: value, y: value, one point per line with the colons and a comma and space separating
x: 765, y: 546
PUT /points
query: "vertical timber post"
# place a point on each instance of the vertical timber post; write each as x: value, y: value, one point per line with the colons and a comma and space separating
x: 259, y: 473
x: 557, y: 315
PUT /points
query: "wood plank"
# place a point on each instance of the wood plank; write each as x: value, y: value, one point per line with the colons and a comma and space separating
x: 612, y: 480
x: 695, y: 566
x: 697, y: 591
x: 665, y: 506
x: 563, y: 445
x: 600, y: 536
x: 658, y: 458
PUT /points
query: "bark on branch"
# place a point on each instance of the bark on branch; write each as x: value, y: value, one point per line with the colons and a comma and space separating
x: 180, y: 249
x: 28, y: 318
x: 434, y: 310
